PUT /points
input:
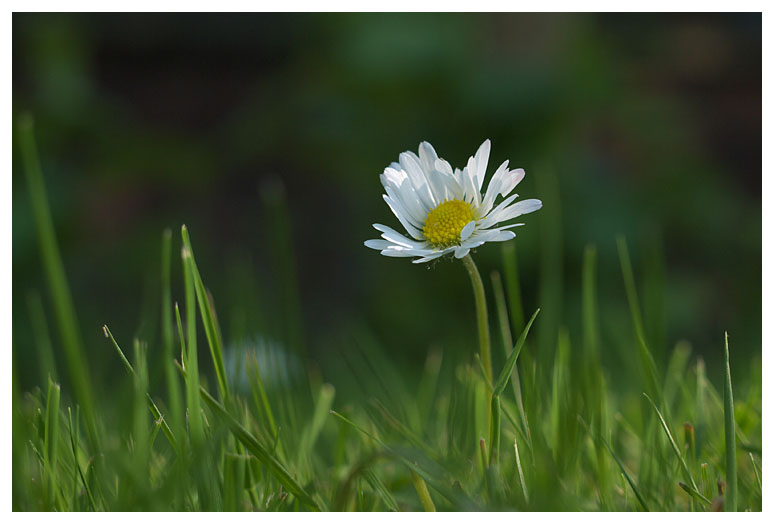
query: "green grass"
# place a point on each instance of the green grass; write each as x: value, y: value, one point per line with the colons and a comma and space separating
x: 555, y: 430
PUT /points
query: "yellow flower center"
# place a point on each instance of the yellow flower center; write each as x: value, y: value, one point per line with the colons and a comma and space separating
x: 445, y: 222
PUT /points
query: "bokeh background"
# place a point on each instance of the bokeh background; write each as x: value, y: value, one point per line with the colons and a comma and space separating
x: 266, y: 133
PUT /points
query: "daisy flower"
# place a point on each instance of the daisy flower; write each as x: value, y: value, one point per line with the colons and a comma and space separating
x: 443, y: 210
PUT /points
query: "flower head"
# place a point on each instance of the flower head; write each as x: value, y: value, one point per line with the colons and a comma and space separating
x: 443, y: 210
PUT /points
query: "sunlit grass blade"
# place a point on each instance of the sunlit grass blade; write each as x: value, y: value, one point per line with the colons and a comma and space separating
x: 730, y: 450
x: 64, y: 310
x: 422, y: 492
x: 626, y: 476
x: 522, y: 483
x: 50, y: 444
x: 155, y: 412
x: 208, y: 316
x: 695, y: 493
x: 380, y: 489
x: 674, y: 445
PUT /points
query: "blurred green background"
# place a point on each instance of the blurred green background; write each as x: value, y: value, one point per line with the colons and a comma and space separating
x: 266, y: 134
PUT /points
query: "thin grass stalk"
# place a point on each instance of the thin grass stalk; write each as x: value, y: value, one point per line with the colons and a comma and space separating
x: 208, y: 317
x: 730, y: 452
x: 191, y: 361
x: 167, y: 330
x: 64, y: 309
x: 422, y: 492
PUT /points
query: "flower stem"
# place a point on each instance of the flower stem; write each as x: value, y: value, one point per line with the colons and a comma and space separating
x: 481, y: 315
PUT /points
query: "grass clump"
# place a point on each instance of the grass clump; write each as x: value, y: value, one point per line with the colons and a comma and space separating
x: 266, y: 432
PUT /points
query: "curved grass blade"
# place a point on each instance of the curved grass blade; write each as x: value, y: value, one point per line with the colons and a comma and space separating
x: 261, y: 453
x: 647, y: 360
x: 500, y: 385
x: 626, y: 476
x: 64, y: 309
x: 674, y: 445
x: 503, y: 378
x: 157, y: 415
x: 74, y: 445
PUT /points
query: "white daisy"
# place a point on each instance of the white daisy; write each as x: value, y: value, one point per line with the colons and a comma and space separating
x: 444, y: 211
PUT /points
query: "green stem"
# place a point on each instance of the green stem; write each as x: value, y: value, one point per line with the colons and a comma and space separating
x: 481, y: 314
x: 422, y: 492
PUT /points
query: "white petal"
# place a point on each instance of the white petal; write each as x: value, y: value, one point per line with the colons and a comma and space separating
x: 517, y: 209
x: 415, y: 219
x: 395, y: 237
x: 428, y: 156
x: 412, y: 230
x: 461, y: 252
x: 516, y: 177
x: 477, y: 164
x: 490, y: 219
x: 496, y: 182
x: 378, y: 244
x: 444, y: 167
x: 468, y: 184
x: 467, y: 230
x: 433, y: 255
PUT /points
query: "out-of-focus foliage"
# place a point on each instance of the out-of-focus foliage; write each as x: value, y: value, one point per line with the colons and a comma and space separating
x: 642, y: 125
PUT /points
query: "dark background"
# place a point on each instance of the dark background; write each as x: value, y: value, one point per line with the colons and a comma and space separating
x: 645, y: 125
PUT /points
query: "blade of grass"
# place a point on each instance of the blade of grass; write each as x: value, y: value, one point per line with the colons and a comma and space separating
x: 380, y: 489
x: 208, y: 317
x: 456, y: 497
x: 695, y: 493
x: 40, y: 332
x: 74, y: 445
x: 261, y: 453
x: 511, y: 276
x: 155, y: 412
x: 730, y: 498
x: 422, y: 492
x: 647, y: 360
x: 64, y: 310
x: 500, y: 385
x: 626, y: 476
x: 322, y: 406
x: 50, y: 443
x: 140, y: 428
x: 261, y: 400
x: 674, y: 445
x: 167, y: 328
x: 594, y: 380
x: 503, y: 377
x: 522, y: 483
x: 503, y: 321
x: 191, y: 362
